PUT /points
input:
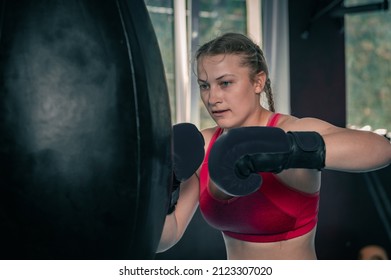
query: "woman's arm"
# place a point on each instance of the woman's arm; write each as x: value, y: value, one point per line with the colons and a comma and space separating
x: 177, y: 222
x: 353, y: 150
x: 347, y: 149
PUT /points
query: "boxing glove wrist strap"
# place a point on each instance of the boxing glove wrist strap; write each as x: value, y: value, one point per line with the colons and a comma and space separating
x: 307, y: 150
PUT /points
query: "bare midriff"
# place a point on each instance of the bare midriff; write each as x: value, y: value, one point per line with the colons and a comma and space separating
x: 299, y: 248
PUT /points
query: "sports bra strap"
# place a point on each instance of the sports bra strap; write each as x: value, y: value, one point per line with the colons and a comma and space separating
x: 273, y: 119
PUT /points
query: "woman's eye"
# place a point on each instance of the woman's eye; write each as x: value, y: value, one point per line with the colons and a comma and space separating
x: 204, y: 86
x: 225, y: 83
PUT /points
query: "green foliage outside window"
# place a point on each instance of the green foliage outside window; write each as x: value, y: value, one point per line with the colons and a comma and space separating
x: 368, y: 67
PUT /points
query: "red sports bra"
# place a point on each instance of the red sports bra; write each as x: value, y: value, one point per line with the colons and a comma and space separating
x: 273, y: 213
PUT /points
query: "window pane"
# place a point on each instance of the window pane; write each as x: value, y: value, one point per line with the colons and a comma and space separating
x: 368, y: 67
x: 162, y: 17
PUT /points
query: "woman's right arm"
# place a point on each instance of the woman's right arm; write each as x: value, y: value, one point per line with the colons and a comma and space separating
x: 177, y: 222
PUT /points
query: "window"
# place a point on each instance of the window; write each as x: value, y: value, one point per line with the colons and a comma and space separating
x: 161, y: 13
x: 368, y: 67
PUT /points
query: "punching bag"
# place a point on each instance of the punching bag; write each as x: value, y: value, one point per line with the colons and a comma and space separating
x: 85, y: 131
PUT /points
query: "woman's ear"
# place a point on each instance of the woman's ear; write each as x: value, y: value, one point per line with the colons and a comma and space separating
x: 259, y: 82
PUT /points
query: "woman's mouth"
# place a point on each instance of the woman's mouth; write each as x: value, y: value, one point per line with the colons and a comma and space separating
x: 219, y: 113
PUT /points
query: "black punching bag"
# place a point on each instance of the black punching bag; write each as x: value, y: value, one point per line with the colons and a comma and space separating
x: 85, y: 131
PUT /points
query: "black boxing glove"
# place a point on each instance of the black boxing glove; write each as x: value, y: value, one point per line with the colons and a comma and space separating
x: 237, y: 156
x: 188, y: 154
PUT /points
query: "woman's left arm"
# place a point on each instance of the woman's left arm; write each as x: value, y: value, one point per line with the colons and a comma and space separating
x: 348, y: 149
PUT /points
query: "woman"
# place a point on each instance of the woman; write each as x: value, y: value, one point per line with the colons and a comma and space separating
x: 278, y: 221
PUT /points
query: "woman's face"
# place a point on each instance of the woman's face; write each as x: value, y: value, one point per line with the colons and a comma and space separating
x: 230, y: 96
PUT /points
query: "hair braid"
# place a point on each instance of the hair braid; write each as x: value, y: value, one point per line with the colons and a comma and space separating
x: 269, y: 95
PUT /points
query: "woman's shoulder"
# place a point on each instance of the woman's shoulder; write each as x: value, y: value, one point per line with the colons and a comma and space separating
x: 285, y: 121
x: 292, y: 123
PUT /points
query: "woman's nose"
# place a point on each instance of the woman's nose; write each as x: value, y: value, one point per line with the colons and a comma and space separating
x: 214, y: 95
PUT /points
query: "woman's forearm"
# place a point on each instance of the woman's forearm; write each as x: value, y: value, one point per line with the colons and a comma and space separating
x: 169, y: 234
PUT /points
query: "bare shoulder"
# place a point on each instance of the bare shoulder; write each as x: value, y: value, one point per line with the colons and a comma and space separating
x: 292, y: 123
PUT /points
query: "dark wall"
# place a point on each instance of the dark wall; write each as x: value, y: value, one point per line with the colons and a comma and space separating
x: 317, y: 64
x: 348, y: 217
x: 351, y: 213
